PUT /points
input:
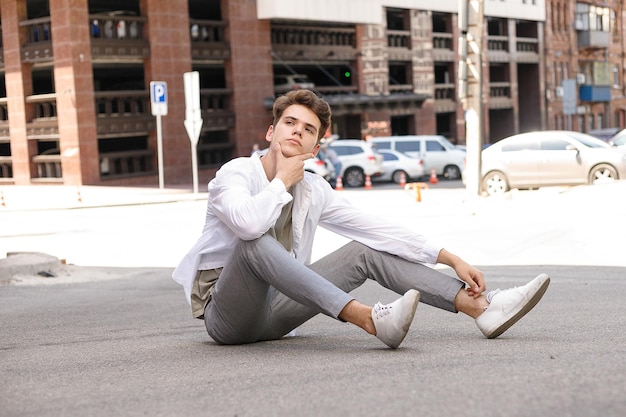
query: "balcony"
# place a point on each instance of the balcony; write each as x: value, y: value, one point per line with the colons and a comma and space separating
x: 38, y: 47
x: 215, y: 108
x: 498, y: 48
x: 123, y: 113
x: 527, y: 50
x: 44, y: 124
x: 6, y: 169
x: 593, y: 39
x: 443, y: 47
x: 126, y: 164
x: 445, y: 98
x: 313, y: 43
x: 4, y: 119
x: 500, y: 95
x: 208, y: 40
x: 48, y: 168
x: 399, y: 45
x: 115, y: 37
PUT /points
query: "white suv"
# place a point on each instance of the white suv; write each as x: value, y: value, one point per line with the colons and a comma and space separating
x: 436, y: 151
x: 358, y: 159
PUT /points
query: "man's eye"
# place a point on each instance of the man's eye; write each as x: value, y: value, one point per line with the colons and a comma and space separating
x: 309, y: 130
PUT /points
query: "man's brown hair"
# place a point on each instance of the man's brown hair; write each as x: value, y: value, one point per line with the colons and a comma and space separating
x: 306, y: 98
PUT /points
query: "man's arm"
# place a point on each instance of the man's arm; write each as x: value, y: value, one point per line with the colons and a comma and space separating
x: 470, y: 275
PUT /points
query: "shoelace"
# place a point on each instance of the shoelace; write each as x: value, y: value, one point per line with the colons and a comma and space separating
x: 491, y: 293
x: 381, y: 310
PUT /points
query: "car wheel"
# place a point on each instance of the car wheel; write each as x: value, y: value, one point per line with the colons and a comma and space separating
x: 452, y: 172
x: 495, y: 183
x: 353, y: 177
x: 603, y: 173
x: 397, y: 176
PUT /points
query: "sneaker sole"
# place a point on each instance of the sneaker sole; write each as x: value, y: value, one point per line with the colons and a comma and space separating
x: 527, y: 307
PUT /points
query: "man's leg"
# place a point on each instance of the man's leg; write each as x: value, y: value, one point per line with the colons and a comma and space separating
x: 349, y: 267
x: 241, y: 309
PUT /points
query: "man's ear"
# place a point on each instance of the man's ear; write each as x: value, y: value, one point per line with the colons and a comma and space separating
x: 270, y: 133
x: 316, y: 149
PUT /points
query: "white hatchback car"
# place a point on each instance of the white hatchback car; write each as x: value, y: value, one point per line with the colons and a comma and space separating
x: 396, y: 163
x: 436, y: 151
x: 358, y: 159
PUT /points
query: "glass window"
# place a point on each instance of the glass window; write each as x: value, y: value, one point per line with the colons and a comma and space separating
x: 389, y: 156
x: 408, y: 146
x: 383, y: 145
x: 521, y: 145
x: 553, y: 144
x: 434, y: 146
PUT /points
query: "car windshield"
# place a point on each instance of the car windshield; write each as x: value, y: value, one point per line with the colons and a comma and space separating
x: 588, y: 141
x: 447, y: 143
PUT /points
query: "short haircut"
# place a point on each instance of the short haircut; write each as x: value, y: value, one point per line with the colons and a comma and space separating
x: 306, y: 98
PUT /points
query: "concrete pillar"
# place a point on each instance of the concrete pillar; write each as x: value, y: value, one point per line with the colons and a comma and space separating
x: 250, y: 70
x: 73, y: 82
x: 18, y: 85
x: 170, y: 57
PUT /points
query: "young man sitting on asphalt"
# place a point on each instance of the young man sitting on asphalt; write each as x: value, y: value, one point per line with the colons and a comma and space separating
x: 249, y: 275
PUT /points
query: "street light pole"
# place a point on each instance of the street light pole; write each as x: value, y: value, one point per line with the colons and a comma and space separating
x: 470, y: 23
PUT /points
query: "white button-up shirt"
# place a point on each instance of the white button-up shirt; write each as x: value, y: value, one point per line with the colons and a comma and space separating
x: 244, y: 204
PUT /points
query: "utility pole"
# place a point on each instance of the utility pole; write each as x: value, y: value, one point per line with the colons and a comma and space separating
x: 470, y: 23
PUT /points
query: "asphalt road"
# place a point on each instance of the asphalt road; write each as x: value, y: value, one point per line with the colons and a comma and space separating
x: 126, y: 345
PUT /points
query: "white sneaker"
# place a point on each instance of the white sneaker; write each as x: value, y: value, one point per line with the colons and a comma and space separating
x: 508, y: 306
x: 392, y: 321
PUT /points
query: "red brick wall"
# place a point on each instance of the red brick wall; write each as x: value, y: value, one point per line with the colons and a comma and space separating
x: 249, y: 71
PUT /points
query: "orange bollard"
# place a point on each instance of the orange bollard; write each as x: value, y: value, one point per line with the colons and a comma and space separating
x: 80, y: 198
x: 418, y: 193
x: 433, y: 177
x: 2, y: 198
x: 339, y: 183
x: 368, y: 182
x: 402, y: 179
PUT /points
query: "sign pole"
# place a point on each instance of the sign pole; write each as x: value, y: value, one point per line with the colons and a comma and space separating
x: 158, y: 101
x: 160, y: 151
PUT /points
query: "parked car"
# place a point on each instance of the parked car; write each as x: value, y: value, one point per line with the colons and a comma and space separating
x: 619, y: 140
x: 435, y: 150
x: 284, y: 83
x: 537, y: 159
x: 358, y: 159
x: 321, y: 167
x: 397, y: 163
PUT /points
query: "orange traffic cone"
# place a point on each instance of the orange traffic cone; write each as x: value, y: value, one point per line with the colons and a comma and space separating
x: 402, y: 179
x: 339, y: 183
x: 368, y: 182
x: 80, y: 198
x: 433, y: 177
x: 2, y: 198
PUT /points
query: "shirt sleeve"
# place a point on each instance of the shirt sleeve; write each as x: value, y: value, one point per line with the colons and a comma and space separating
x: 249, y: 206
x: 380, y: 234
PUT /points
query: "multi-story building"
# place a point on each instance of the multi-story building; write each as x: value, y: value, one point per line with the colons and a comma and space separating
x: 584, y: 72
x: 74, y: 76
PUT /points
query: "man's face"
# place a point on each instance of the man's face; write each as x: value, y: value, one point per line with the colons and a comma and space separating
x: 296, y: 131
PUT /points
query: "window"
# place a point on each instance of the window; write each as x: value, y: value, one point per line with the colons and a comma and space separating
x: 590, y: 17
x: 616, y: 82
x: 408, y: 146
x: 554, y: 145
x: 434, y: 146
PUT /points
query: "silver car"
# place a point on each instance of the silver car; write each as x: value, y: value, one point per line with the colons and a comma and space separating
x: 537, y: 159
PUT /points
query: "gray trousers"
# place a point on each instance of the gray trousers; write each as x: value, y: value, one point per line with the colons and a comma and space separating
x: 263, y: 293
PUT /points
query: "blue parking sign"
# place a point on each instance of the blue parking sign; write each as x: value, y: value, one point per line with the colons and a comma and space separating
x: 158, y: 98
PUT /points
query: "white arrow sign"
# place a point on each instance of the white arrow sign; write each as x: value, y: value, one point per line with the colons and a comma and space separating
x: 193, y: 113
x: 193, y: 119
